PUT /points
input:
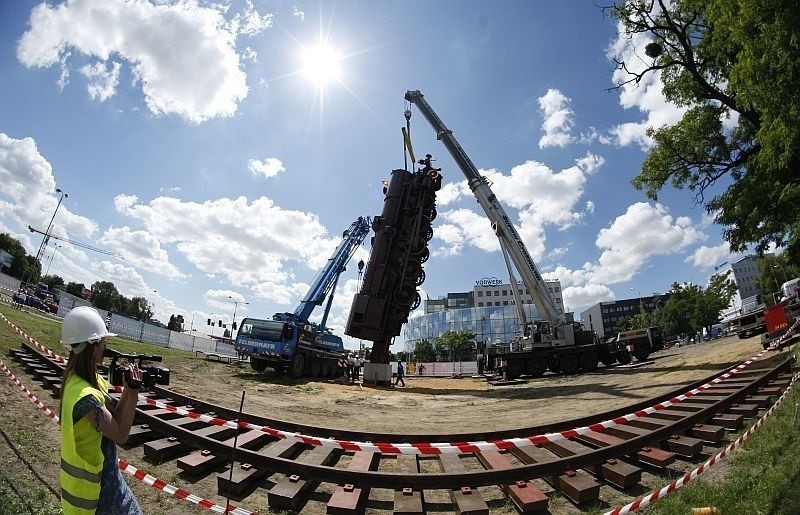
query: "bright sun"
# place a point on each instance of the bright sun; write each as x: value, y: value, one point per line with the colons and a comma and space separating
x: 321, y: 64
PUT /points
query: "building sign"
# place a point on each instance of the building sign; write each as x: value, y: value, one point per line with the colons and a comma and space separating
x: 489, y: 281
x: 6, y: 259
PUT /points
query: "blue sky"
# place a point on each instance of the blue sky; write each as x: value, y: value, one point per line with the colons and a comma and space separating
x: 202, y: 143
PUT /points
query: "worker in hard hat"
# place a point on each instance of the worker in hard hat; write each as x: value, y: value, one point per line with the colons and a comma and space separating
x: 91, y: 425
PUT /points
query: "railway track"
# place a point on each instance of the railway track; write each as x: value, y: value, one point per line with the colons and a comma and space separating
x: 344, y: 471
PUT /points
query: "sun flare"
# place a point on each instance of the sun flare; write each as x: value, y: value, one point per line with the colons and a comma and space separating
x: 321, y: 64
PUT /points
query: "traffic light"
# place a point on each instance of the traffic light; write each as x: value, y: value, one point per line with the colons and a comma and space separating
x: 220, y: 322
x: 209, y: 322
x: 234, y: 326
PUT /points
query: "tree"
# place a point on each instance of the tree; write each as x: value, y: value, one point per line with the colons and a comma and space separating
x: 106, y: 296
x: 53, y: 282
x: 455, y: 345
x: 424, y: 351
x: 23, y: 266
x: 74, y: 288
x: 733, y: 65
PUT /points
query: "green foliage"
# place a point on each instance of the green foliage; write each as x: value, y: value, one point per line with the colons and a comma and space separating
x: 455, y: 345
x: 23, y: 267
x: 773, y: 271
x: 54, y: 282
x: 424, y: 351
x: 730, y: 63
x: 106, y: 296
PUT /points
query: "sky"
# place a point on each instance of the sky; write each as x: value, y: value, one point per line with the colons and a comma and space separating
x: 215, y: 152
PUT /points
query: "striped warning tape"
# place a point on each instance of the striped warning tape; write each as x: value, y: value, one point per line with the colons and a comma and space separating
x: 785, y: 336
x: 447, y: 447
x: 126, y: 467
x: 645, y: 501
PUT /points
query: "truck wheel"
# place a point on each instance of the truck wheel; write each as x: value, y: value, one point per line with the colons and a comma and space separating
x: 588, y: 361
x: 514, y: 369
x: 641, y: 350
x: 536, y: 367
x: 552, y: 364
x: 316, y: 368
x: 568, y: 363
x: 624, y: 357
x: 298, y: 366
x: 258, y: 364
x: 607, y: 358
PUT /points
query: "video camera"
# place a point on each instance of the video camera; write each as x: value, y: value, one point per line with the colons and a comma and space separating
x: 151, y: 374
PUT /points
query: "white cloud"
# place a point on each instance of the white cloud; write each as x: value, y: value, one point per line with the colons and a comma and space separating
x: 141, y: 248
x: 219, y: 238
x: 102, y: 80
x: 707, y: 257
x: 646, y: 96
x: 631, y: 239
x: 461, y: 227
x: 250, y: 22
x: 182, y: 54
x: 28, y: 196
x: 269, y: 167
x: 558, y: 119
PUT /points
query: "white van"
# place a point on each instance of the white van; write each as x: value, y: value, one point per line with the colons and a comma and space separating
x: 790, y: 289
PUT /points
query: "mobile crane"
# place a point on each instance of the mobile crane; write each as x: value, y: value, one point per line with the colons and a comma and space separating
x: 555, y: 342
x: 290, y: 341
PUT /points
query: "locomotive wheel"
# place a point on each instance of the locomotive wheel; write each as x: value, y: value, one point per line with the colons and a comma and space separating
x: 588, y: 361
x: 568, y: 363
x: 424, y: 255
x: 536, y: 367
x: 405, y: 295
x: 298, y: 366
x: 258, y: 364
x: 420, y: 278
x: 641, y: 350
x: 416, y: 302
x: 624, y: 357
x: 431, y: 215
x: 428, y: 233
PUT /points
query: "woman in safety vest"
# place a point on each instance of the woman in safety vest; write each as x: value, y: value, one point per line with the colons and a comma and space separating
x: 90, y: 424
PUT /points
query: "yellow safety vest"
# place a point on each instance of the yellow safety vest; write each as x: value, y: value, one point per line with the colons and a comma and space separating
x: 81, y: 455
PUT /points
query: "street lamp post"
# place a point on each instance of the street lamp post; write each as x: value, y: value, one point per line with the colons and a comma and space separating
x: 233, y: 319
x: 641, y: 304
x: 57, y: 246
x: 46, y: 237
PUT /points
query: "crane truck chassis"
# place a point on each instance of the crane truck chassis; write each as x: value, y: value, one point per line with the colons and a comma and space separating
x: 290, y: 341
x: 556, y: 342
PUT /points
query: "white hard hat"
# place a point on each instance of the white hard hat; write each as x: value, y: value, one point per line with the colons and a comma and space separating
x: 83, y: 324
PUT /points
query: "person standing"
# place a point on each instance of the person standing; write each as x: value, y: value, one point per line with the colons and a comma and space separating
x: 400, y: 374
x: 356, y: 368
x: 91, y: 425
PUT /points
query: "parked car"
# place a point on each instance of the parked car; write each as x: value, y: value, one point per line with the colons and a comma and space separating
x: 52, y: 305
x: 36, y: 302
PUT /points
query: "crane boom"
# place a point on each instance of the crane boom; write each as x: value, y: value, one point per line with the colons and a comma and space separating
x: 510, y: 239
x: 329, y: 275
x: 73, y: 242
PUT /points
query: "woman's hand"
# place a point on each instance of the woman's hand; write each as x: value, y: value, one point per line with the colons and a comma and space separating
x: 133, y: 378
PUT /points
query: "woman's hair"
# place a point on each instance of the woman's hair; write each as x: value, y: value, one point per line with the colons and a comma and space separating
x: 82, y: 365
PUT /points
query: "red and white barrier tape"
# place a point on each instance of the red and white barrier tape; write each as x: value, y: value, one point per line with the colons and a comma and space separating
x: 650, y: 498
x: 47, y: 411
x: 446, y: 447
x: 126, y: 467
x: 785, y: 336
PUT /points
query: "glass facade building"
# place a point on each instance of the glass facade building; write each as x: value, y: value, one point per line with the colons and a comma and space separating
x: 491, y: 324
